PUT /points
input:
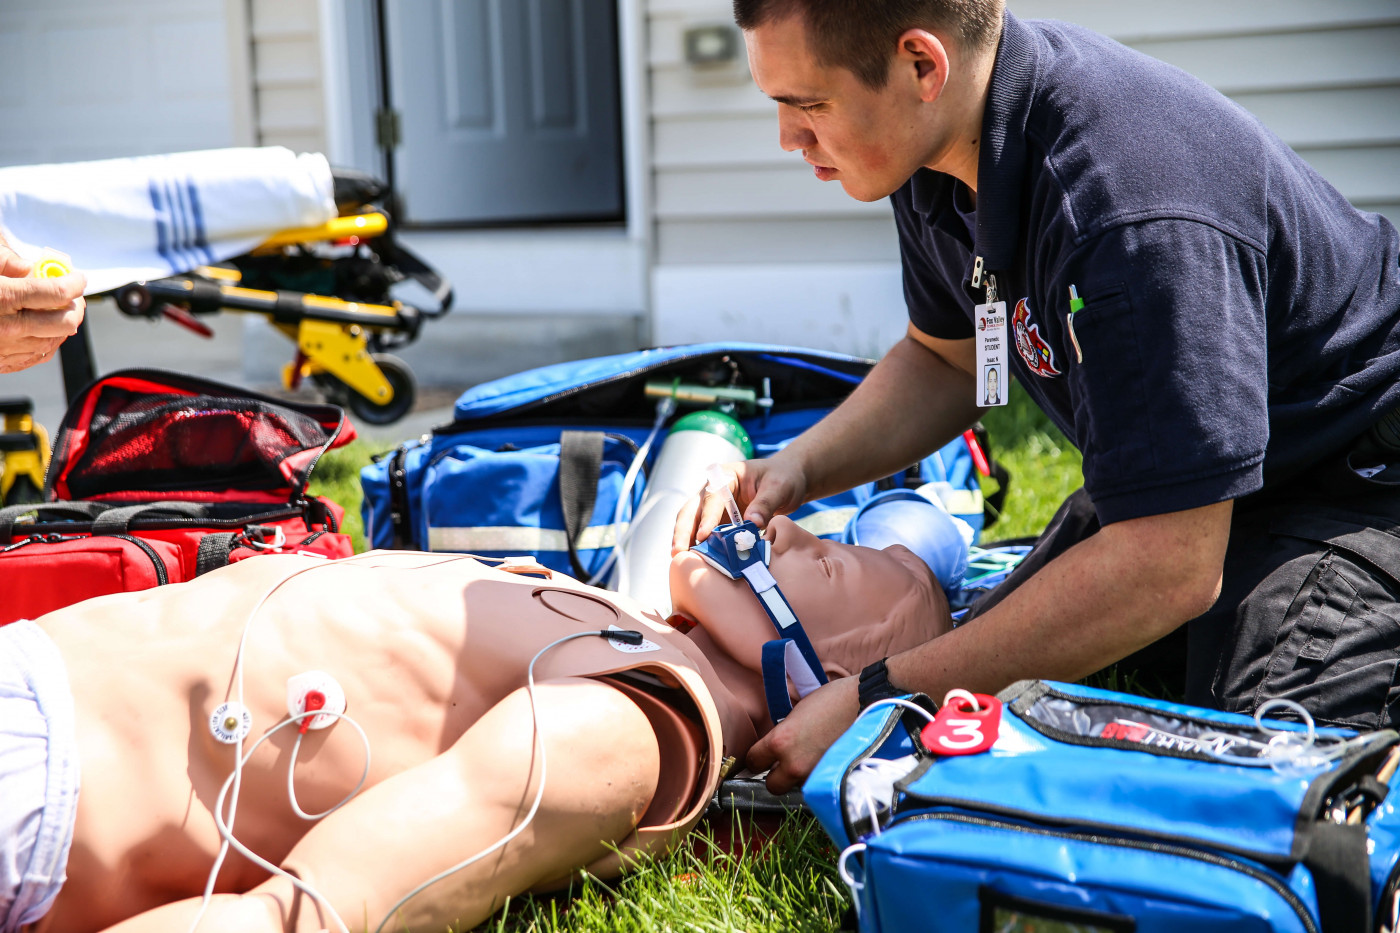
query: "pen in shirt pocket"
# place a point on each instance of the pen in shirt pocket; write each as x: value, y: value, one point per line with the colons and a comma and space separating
x: 1076, y: 304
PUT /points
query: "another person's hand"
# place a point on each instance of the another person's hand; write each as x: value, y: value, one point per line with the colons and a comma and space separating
x: 763, y: 488
x: 793, y: 748
x: 36, y: 314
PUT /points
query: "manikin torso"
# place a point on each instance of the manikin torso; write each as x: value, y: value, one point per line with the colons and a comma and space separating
x: 423, y: 646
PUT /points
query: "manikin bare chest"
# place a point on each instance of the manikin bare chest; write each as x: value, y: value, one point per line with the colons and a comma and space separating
x: 421, y: 650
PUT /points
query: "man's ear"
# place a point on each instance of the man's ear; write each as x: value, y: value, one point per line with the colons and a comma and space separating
x: 834, y: 671
x: 922, y: 56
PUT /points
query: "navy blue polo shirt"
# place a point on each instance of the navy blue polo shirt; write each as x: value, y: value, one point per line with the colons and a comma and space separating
x: 1240, y: 317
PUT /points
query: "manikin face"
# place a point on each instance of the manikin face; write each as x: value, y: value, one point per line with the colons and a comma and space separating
x: 871, y: 141
x: 837, y: 590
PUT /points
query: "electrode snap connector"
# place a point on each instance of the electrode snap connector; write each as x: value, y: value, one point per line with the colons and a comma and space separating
x: 311, y: 691
x: 230, y: 722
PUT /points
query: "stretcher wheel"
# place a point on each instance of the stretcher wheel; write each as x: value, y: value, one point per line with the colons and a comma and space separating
x: 405, y: 393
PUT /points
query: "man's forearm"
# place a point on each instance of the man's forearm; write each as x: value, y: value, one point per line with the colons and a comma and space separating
x: 1108, y: 596
x: 912, y: 403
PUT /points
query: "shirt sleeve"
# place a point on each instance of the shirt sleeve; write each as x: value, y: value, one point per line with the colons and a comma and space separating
x: 1171, y: 397
x: 927, y: 254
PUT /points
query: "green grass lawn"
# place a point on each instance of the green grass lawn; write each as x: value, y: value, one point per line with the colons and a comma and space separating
x: 789, y: 883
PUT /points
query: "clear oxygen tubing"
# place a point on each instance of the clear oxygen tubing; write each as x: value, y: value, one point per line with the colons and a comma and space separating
x: 665, y: 408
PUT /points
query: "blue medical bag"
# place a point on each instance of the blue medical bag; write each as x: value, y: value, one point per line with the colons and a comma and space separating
x: 493, y: 482
x: 1100, y: 812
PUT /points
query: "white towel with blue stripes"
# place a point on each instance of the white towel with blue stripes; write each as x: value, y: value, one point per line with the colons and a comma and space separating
x: 127, y: 220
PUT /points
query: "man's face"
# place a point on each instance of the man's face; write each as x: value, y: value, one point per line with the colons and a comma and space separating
x: 871, y: 141
x: 833, y: 588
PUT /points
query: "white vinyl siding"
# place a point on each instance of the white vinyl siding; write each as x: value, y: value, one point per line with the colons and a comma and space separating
x: 93, y: 79
x: 724, y: 192
x: 287, y: 74
x: 1324, y: 76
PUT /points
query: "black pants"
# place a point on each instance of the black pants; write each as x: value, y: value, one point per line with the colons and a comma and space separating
x: 1310, y: 605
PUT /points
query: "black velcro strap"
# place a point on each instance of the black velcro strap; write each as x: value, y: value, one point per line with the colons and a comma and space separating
x: 580, y: 465
x: 1342, y: 876
x: 399, y: 518
x: 213, y: 553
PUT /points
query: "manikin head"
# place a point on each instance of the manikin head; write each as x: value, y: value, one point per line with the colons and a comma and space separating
x: 857, y: 604
x: 872, y: 90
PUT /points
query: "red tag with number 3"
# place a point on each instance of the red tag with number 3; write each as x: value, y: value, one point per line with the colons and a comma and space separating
x: 966, y: 724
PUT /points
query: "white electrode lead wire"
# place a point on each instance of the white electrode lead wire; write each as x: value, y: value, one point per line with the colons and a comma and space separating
x: 539, y: 793
x: 238, y: 687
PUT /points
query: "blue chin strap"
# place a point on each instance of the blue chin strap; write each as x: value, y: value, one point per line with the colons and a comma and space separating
x: 740, y: 553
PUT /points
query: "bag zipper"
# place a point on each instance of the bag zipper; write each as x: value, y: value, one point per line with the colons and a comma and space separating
x: 461, y: 425
x: 181, y: 381
x: 1210, y: 858
x: 162, y: 573
x: 1022, y: 709
x: 895, y: 717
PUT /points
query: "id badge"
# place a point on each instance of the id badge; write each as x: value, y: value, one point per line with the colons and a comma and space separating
x: 990, y: 323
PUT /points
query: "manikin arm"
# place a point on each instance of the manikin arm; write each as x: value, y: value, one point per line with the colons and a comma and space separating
x: 602, y: 766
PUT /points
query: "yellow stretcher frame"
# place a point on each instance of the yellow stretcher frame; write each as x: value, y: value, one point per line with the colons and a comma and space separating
x: 330, y: 333
x: 26, y: 462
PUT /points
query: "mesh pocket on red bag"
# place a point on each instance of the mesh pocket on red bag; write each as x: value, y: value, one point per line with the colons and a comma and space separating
x: 173, y: 441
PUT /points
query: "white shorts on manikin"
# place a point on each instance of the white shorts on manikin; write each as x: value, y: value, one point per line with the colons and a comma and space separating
x: 38, y: 774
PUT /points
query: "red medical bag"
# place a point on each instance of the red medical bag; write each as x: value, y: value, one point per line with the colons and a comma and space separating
x: 158, y: 477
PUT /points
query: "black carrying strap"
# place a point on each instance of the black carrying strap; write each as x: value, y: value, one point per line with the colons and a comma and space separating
x: 117, y: 521
x: 398, y: 499
x: 580, y: 465
x: 214, y: 551
x: 1341, y: 875
x: 10, y: 515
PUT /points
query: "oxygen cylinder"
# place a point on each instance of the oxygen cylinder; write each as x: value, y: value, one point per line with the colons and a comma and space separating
x: 694, y: 442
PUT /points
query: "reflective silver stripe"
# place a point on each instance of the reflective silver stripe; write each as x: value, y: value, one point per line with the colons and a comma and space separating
x: 520, y: 540
x: 827, y: 521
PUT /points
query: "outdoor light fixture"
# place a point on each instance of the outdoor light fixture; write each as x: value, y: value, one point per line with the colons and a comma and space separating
x: 714, y: 44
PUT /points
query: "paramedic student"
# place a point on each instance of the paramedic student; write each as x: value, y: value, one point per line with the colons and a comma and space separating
x: 36, y: 315
x: 1224, y: 376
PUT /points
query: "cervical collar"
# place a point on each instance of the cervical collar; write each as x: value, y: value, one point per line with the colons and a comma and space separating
x: 740, y: 553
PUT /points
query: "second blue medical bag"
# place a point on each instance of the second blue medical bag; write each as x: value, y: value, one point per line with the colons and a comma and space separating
x: 1100, y: 812
x: 507, y: 477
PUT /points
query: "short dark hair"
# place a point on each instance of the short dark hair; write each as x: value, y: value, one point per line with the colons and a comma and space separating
x: 860, y: 34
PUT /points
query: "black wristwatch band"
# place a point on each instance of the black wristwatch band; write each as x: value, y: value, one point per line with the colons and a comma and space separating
x: 875, y: 684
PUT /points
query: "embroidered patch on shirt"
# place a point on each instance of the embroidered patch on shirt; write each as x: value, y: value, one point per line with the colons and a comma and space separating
x: 1034, y: 350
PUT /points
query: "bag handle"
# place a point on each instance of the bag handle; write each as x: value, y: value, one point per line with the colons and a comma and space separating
x: 10, y: 515
x: 580, y: 466
x: 1341, y: 872
x: 118, y: 521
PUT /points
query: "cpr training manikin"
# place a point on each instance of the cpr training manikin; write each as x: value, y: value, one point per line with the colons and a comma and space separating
x: 400, y: 739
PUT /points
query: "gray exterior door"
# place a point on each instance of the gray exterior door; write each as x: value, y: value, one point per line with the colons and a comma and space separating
x: 508, y: 110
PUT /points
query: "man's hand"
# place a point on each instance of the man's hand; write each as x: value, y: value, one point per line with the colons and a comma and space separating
x: 36, y: 315
x: 797, y: 743
x: 763, y: 488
